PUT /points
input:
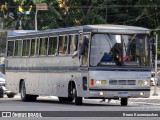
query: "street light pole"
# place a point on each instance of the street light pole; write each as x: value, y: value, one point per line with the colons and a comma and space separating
x: 36, y: 19
x: 155, y: 77
x: 41, y: 6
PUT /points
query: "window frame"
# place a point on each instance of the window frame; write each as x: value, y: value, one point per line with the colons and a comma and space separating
x: 29, y: 46
x: 37, y: 49
x: 56, y: 36
x: 65, y: 35
x: 15, y: 47
x: 77, y: 46
x: 40, y: 46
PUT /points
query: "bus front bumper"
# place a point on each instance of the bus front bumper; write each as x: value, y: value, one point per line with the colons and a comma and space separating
x: 115, y: 93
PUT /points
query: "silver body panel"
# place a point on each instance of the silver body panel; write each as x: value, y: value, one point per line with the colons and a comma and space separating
x: 50, y: 75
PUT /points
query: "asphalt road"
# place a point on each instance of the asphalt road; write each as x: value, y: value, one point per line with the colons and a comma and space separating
x: 52, y: 104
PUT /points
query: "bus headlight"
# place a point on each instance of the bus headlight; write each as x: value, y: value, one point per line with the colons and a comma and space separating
x: 98, y: 82
x: 103, y: 82
x: 142, y: 93
x: 140, y: 83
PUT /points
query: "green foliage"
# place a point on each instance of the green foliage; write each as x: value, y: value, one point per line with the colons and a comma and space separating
x: 158, y: 54
x: 67, y: 13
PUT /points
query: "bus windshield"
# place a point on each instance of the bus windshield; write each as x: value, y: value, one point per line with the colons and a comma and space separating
x: 119, y: 50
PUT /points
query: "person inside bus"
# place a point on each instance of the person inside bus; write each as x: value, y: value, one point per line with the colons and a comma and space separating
x: 106, y: 57
x: 116, y: 53
x: 83, y: 50
x: 76, y: 52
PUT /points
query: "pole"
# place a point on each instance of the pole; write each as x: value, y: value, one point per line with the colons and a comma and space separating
x: 155, y: 78
x: 36, y: 19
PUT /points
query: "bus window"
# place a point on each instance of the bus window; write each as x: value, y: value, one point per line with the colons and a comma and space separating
x: 43, y: 46
x: 136, y: 50
x: 73, y: 43
x: 18, y: 48
x: 62, y: 48
x: 26, y: 46
x: 10, y: 48
x: 52, y: 46
x: 106, y: 50
x: 34, y: 47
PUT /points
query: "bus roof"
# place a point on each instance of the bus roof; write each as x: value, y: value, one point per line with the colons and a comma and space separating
x: 104, y: 28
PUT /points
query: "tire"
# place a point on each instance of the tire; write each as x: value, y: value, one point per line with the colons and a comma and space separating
x: 78, y: 100
x: 10, y: 95
x: 32, y: 98
x: 25, y: 97
x: 65, y: 99
x: 1, y: 92
x: 124, y: 101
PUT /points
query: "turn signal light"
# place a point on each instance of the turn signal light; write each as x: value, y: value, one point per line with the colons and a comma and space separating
x: 92, y: 82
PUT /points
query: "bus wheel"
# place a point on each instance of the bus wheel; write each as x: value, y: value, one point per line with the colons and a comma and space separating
x: 32, y: 98
x: 124, y: 101
x: 65, y: 99
x: 70, y: 99
x: 24, y: 96
x: 78, y: 100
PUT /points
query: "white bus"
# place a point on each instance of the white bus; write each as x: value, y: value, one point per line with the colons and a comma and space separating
x: 90, y: 62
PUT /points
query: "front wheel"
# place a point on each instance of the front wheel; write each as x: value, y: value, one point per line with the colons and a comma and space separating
x: 78, y: 100
x: 65, y: 99
x: 124, y: 101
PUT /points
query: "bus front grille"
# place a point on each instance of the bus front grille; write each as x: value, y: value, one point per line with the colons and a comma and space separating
x: 122, y: 82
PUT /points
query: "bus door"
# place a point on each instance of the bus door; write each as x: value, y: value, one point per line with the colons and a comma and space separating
x: 84, y: 49
x: 84, y: 60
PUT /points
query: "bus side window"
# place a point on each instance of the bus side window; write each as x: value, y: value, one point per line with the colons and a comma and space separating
x: 43, y: 46
x: 26, y: 46
x: 18, y: 48
x: 52, y: 49
x: 62, y: 47
x: 34, y: 47
x: 73, y: 43
x: 10, y: 48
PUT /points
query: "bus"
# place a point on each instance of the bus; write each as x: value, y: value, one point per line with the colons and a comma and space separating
x: 83, y: 62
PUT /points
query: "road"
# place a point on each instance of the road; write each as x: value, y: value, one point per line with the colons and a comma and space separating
x: 51, y: 103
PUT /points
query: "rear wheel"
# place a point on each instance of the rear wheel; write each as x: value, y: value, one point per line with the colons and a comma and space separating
x: 124, y: 101
x: 25, y: 97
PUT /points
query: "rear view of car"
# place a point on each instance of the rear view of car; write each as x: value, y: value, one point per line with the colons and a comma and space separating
x: 2, y: 84
x: 3, y: 89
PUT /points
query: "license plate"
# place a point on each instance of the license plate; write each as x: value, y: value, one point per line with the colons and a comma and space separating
x: 122, y: 93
